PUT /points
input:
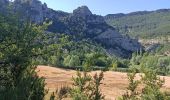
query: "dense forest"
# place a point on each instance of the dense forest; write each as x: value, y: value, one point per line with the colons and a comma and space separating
x: 142, y: 24
x: 25, y: 44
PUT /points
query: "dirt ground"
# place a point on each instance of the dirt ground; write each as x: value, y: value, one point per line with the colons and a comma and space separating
x: 113, y: 85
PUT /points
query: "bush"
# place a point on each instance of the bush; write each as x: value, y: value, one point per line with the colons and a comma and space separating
x: 87, y: 87
x: 29, y: 87
x: 72, y: 61
x: 132, y: 93
x: 151, y: 86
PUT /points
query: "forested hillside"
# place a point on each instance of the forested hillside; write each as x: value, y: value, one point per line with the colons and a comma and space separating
x: 143, y: 24
x: 82, y: 24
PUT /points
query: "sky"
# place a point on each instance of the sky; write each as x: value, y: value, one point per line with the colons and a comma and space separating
x: 103, y: 7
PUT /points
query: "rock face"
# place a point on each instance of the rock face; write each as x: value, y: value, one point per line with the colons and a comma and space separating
x: 81, y: 24
x: 30, y: 8
x: 35, y: 10
x: 117, y: 44
x: 82, y: 11
x: 94, y: 27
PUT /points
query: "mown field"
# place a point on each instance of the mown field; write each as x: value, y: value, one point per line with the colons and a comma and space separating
x: 113, y: 85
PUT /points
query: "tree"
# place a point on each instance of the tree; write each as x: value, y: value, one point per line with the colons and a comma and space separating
x: 164, y: 64
x: 57, y: 46
x: 132, y: 93
x: 19, y: 44
x: 67, y: 60
x: 86, y: 87
x: 72, y: 61
x: 151, y: 85
x: 90, y: 61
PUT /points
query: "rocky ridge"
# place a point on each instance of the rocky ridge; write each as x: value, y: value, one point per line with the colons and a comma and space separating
x: 81, y: 24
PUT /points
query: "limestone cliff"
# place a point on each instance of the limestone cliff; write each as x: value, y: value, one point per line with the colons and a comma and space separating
x: 81, y: 24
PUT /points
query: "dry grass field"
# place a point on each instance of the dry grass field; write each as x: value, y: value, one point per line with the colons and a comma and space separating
x: 113, y: 85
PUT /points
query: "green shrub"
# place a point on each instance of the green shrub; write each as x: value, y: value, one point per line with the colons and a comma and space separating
x: 87, y: 87
x: 72, y: 61
x: 151, y: 90
x: 132, y: 93
x: 29, y: 87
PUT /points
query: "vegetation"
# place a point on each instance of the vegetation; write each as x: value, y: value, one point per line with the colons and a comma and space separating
x: 24, y: 45
x: 19, y: 44
x: 144, y: 24
x: 62, y: 51
x: 86, y: 87
x: 152, y: 61
x: 150, y: 84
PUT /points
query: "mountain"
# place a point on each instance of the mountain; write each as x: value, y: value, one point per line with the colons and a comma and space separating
x: 142, y: 24
x: 81, y: 24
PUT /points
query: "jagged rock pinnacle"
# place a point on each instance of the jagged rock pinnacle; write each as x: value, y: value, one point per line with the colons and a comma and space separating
x: 83, y: 11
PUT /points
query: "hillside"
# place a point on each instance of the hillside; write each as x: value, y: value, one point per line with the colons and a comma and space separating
x: 111, y: 32
x: 142, y: 24
x: 113, y: 85
x: 79, y: 25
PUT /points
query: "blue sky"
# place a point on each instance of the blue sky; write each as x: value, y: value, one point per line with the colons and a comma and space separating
x: 103, y: 7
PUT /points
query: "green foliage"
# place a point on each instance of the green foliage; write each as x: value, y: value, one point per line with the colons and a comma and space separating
x: 67, y: 60
x: 53, y: 52
x: 96, y: 93
x: 19, y: 44
x: 72, y: 61
x: 96, y: 59
x: 87, y: 87
x: 132, y: 93
x: 135, y: 60
x: 114, y: 66
x: 152, y: 61
x: 150, y: 83
x: 29, y: 87
x: 65, y: 52
x: 60, y: 93
x: 164, y: 65
x: 153, y: 83
x: 147, y: 25
x: 163, y: 49
x: 121, y: 65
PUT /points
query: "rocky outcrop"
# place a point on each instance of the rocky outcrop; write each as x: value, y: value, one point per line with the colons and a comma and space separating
x: 94, y: 27
x: 117, y: 44
x: 82, y: 11
x: 32, y: 9
x: 36, y: 11
x: 81, y: 24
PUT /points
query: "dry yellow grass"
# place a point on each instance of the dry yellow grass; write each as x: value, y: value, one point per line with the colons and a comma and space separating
x: 113, y: 85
